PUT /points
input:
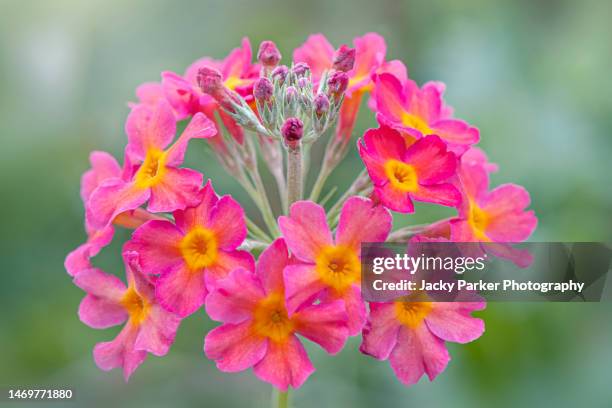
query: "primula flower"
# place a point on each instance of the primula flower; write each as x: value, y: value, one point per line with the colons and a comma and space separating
x: 331, y: 269
x: 157, y: 180
x: 418, y: 112
x: 194, y: 253
x: 104, y: 168
x: 411, y: 334
x: 370, y: 51
x: 148, y: 329
x: 401, y: 173
x: 259, y: 331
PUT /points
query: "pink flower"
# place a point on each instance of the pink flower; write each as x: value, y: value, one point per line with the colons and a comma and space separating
x: 411, y: 334
x: 157, y: 179
x: 260, y: 332
x: 420, y: 112
x: 401, y: 173
x: 331, y: 269
x: 370, y: 51
x: 104, y: 168
x: 194, y: 253
x: 148, y: 329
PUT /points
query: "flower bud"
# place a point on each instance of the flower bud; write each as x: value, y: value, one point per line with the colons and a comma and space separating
x: 280, y: 73
x: 263, y: 90
x: 291, y: 95
x: 337, y: 84
x: 268, y: 55
x: 210, y: 81
x: 300, y: 69
x: 320, y: 104
x: 344, y: 59
x: 303, y: 82
x: 292, y: 131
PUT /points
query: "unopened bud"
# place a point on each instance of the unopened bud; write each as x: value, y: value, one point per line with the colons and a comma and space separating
x: 300, y: 69
x: 280, y: 73
x: 268, y: 55
x: 344, y: 59
x: 263, y: 90
x: 210, y: 81
x: 292, y: 131
x: 337, y: 84
x: 320, y: 104
x: 303, y: 82
x: 291, y: 95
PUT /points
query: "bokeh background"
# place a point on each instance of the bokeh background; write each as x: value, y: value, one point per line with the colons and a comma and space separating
x: 534, y: 76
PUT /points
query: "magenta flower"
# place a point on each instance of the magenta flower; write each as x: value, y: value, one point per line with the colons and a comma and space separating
x: 194, y: 253
x: 157, y: 179
x: 411, y: 334
x: 400, y: 174
x: 148, y: 328
x: 258, y: 329
x: 331, y: 269
x: 418, y: 112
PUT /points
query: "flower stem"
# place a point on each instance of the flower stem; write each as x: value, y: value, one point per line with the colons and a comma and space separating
x: 294, y: 174
x: 283, y: 399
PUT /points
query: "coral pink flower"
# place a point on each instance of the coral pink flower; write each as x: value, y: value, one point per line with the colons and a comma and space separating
x: 194, y: 253
x: 157, y: 180
x: 259, y: 331
x: 331, y: 269
x: 411, y: 334
x: 148, y: 329
x: 401, y: 173
x: 104, y: 167
x: 186, y: 97
x: 370, y: 51
x: 420, y: 112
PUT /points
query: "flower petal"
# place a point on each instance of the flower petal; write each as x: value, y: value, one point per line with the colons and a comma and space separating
x: 305, y: 229
x: 452, y: 321
x: 323, y: 323
x: 227, y: 221
x: 235, y: 297
x: 181, y: 290
x: 285, y: 364
x: 431, y: 160
x: 235, y: 347
x: 120, y: 352
x: 177, y: 190
x: 317, y: 52
x: 302, y: 285
x: 111, y: 199
x: 103, y: 167
x: 456, y: 132
x: 271, y: 264
x: 198, y: 215
x: 227, y: 261
x: 157, y: 243
x: 149, y: 127
x: 78, y: 259
x: 381, y: 331
x: 157, y: 331
x: 200, y: 127
x: 362, y: 221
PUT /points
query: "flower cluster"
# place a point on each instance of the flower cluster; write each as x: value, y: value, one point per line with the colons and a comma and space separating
x: 193, y: 249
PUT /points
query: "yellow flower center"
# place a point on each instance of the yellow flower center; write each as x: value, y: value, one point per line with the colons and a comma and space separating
x: 199, y: 248
x: 270, y: 318
x: 402, y: 176
x: 412, y: 309
x: 152, y: 170
x: 234, y: 82
x: 338, y: 267
x: 479, y: 221
x: 416, y: 122
x: 136, y: 306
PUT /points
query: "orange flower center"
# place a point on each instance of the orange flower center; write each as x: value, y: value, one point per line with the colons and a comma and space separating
x: 152, y: 170
x: 338, y: 267
x: 417, y: 123
x: 136, y: 306
x: 199, y: 248
x: 270, y: 318
x: 402, y: 176
x: 412, y: 310
x: 479, y: 220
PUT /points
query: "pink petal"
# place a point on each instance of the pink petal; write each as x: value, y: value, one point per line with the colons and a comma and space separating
x: 452, y: 321
x: 456, y: 131
x: 228, y: 223
x: 355, y: 309
x: 443, y: 194
x: 370, y: 51
x: 394, y: 199
x: 103, y: 167
x: 390, y: 100
x: 381, y: 331
x: 200, y: 127
x: 149, y: 127
x: 362, y: 221
x: 271, y: 264
x: 302, y: 285
x: 157, y: 243
x: 237, y: 63
x: 181, y: 290
x: 285, y: 364
x: 227, y: 261
x: 305, y: 229
x: 418, y: 352
x: 157, y: 331
x: 384, y: 143
x: 101, y: 313
x: 110, y: 200
x: 180, y: 94
x: 323, y: 323
x: 474, y: 180
x: 431, y: 160
x: 235, y: 297
x: 177, y: 190
x: 430, y: 101
x: 149, y: 93
x: 234, y: 347
x: 120, y: 352
x: 374, y: 165
x: 198, y: 215
x: 100, y: 284
x: 317, y: 52
x: 78, y: 259
x: 348, y: 115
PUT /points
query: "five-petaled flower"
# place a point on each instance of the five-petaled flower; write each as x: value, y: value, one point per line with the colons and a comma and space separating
x: 400, y: 174
x: 260, y: 332
x: 328, y: 268
x: 191, y: 254
x: 148, y: 327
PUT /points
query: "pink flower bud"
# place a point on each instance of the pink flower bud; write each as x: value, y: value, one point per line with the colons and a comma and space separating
x: 210, y: 81
x: 268, y: 55
x: 292, y: 130
x: 280, y: 73
x: 321, y: 104
x: 291, y: 94
x: 300, y: 69
x: 337, y: 84
x: 344, y: 59
x: 263, y: 90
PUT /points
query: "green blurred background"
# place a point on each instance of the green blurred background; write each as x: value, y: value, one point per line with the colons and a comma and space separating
x: 534, y: 76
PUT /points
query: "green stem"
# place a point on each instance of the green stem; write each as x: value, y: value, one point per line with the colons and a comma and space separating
x: 283, y: 399
x: 319, y: 183
x: 257, y: 232
x: 294, y: 174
